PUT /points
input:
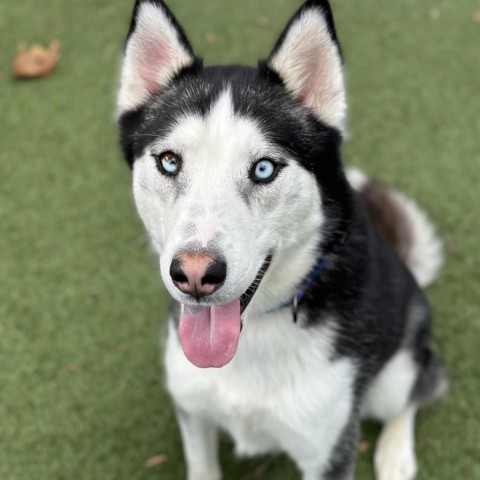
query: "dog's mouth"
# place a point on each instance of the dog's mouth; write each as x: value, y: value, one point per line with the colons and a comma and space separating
x: 209, y: 334
x: 246, y: 298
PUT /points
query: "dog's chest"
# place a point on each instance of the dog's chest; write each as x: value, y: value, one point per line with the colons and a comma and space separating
x: 280, y: 387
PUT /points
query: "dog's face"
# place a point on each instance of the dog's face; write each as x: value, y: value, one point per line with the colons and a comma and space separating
x: 236, y: 170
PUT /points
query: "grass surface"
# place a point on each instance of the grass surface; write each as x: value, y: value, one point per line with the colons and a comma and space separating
x: 80, y: 297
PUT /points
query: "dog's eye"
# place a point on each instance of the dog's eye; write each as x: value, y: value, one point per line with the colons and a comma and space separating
x: 264, y: 171
x: 169, y: 163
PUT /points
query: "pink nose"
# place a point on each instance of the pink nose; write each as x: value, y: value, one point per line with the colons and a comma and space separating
x: 197, y: 274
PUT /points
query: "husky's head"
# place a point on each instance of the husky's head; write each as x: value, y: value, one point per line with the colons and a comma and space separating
x: 236, y: 170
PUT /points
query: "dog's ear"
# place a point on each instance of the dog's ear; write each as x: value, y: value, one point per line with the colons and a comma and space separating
x: 156, y: 50
x: 308, y: 59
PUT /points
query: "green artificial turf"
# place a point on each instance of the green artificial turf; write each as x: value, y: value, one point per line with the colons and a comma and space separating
x: 81, y: 301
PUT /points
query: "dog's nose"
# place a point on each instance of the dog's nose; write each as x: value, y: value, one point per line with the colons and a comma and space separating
x: 197, y: 274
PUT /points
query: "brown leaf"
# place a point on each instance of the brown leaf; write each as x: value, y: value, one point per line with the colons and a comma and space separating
x: 74, y: 368
x: 363, y: 447
x: 476, y: 16
x: 36, y: 61
x: 157, y: 460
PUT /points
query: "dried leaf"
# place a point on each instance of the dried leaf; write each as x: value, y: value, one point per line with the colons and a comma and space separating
x: 154, y: 461
x: 36, y: 61
x: 74, y: 368
x: 363, y: 447
x: 476, y: 16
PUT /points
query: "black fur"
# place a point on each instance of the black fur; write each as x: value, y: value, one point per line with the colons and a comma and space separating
x: 341, y: 465
x: 367, y: 289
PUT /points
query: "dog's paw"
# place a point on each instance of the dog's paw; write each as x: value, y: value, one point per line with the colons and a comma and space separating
x: 394, y: 462
x: 214, y: 474
x: 203, y: 477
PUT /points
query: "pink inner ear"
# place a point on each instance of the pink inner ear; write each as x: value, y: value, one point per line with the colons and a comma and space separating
x: 306, y: 92
x: 154, y: 57
x: 312, y: 85
x: 155, y: 53
x: 313, y: 92
x: 309, y: 62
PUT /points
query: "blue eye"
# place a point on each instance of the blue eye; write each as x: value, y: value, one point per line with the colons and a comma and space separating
x: 264, y: 171
x: 169, y: 163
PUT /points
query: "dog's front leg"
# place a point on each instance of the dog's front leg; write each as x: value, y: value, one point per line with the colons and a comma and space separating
x: 200, y: 446
x: 339, y: 464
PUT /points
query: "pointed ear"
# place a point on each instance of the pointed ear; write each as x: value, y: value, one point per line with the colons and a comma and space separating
x: 308, y: 59
x: 156, y: 50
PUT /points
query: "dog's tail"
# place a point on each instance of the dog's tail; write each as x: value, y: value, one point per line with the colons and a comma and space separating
x: 403, y: 225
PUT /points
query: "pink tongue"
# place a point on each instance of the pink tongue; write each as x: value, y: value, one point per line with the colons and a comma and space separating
x: 209, y: 335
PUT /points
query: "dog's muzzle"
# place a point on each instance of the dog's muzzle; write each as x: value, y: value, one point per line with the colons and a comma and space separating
x: 209, y: 334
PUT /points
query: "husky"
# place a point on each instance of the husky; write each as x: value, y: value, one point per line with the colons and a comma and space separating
x: 297, y: 308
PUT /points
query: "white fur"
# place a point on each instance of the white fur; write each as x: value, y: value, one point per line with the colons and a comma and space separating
x: 357, y: 179
x: 200, y: 446
x: 424, y: 258
x: 395, y: 450
x: 388, y: 395
x: 309, y: 63
x: 213, y: 204
x: 153, y: 55
x: 272, y: 396
x: 388, y: 400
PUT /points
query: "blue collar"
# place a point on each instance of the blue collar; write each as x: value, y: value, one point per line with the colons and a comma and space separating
x: 297, y: 298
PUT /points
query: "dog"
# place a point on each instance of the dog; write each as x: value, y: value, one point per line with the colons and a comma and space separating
x: 297, y: 308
